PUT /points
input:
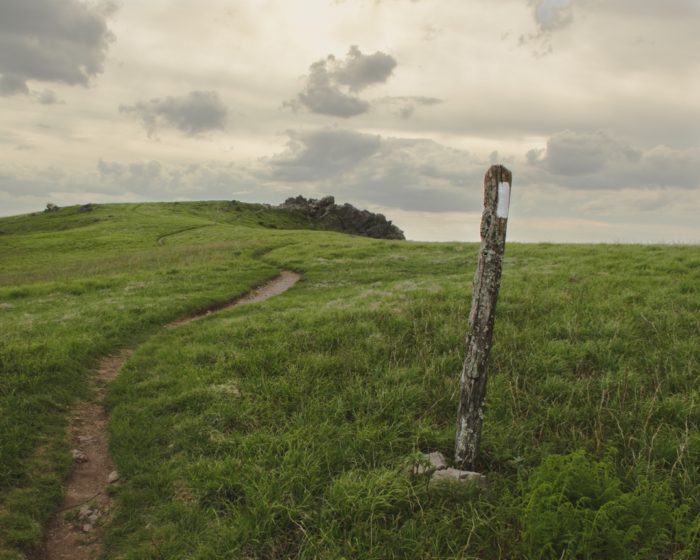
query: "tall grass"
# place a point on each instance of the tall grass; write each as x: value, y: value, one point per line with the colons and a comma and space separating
x: 287, y: 429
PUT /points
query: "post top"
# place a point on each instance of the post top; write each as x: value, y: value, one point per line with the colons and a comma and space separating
x: 500, y: 174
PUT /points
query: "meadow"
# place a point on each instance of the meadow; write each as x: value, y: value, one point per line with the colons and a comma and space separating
x: 288, y: 428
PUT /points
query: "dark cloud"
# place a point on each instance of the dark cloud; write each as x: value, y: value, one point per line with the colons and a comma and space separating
x: 570, y: 153
x: 47, y: 97
x: 358, y: 70
x: 601, y: 161
x: 412, y: 174
x: 11, y: 84
x: 196, y: 112
x: 51, y: 41
x: 332, y: 84
x: 321, y: 154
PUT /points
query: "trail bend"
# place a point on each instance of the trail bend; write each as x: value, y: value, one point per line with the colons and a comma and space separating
x: 75, y: 530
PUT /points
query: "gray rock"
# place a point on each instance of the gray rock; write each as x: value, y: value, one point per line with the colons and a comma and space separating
x: 455, y: 475
x: 436, y: 460
x: 87, y: 528
x: 79, y: 456
x: 345, y: 218
x: 113, y: 477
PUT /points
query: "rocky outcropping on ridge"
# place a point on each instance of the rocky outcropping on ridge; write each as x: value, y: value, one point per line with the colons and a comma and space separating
x: 345, y: 218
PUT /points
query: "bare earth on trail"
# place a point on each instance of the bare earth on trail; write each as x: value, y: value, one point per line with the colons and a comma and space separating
x: 75, y: 530
x: 272, y: 288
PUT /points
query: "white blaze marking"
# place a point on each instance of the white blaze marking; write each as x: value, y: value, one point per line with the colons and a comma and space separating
x: 503, y: 200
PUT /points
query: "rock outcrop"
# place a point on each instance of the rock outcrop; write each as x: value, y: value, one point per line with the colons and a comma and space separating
x: 345, y: 218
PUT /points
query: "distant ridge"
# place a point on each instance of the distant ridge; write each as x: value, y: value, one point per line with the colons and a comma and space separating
x: 345, y: 218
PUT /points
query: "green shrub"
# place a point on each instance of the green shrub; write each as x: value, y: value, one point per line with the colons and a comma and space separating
x: 575, y: 507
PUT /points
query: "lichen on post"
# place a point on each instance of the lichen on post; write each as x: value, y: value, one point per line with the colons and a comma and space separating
x: 487, y: 281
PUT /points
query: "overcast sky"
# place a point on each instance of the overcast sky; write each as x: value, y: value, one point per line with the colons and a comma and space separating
x: 399, y: 106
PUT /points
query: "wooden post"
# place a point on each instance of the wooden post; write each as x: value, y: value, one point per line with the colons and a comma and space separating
x: 487, y: 281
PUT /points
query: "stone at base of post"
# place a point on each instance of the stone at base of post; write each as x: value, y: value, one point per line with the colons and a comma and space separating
x: 434, y: 465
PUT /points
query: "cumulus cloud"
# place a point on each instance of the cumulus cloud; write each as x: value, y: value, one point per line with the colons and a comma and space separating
x: 332, y: 85
x: 358, y: 70
x: 600, y: 161
x: 51, y: 41
x: 196, y: 112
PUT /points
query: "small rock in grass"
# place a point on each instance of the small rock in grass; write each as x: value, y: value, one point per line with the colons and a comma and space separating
x: 87, y: 528
x: 436, y: 460
x: 79, y: 456
x: 113, y: 477
x: 84, y: 511
x: 455, y: 475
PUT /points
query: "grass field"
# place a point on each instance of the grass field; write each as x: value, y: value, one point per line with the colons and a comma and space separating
x: 287, y: 429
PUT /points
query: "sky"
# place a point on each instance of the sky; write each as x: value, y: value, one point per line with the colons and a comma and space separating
x: 398, y: 106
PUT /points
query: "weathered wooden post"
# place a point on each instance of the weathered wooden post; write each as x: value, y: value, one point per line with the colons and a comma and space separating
x: 487, y: 280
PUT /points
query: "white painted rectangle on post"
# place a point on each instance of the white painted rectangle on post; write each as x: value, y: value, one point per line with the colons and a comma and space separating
x: 503, y: 200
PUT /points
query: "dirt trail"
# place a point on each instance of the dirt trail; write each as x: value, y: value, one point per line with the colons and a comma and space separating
x: 75, y: 530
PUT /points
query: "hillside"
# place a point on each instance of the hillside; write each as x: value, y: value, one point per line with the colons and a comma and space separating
x: 287, y: 428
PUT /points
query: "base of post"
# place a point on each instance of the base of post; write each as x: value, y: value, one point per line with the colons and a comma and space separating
x: 435, y: 466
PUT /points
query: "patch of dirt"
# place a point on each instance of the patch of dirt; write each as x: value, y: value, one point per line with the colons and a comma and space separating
x: 272, y: 288
x: 75, y: 531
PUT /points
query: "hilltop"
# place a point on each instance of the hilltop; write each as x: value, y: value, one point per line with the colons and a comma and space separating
x: 295, y: 213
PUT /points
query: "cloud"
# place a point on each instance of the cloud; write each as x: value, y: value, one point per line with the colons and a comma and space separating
x: 332, y: 84
x: 11, y: 84
x: 51, y: 41
x: 550, y: 16
x: 196, y: 112
x: 359, y: 70
x: 154, y: 180
x: 406, y: 105
x: 600, y: 161
x: 570, y: 153
x: 412, y: 174
x: 553, y: 14
x: 322, y: 154
x: 47, y: 97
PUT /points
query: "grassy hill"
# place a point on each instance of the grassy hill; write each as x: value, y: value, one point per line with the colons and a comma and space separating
x: 286, y: 429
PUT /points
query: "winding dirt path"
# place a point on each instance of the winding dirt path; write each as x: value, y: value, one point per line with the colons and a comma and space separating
x: 75, y: 530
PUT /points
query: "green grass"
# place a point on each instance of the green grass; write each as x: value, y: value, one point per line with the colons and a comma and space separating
x: 287, y: 429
